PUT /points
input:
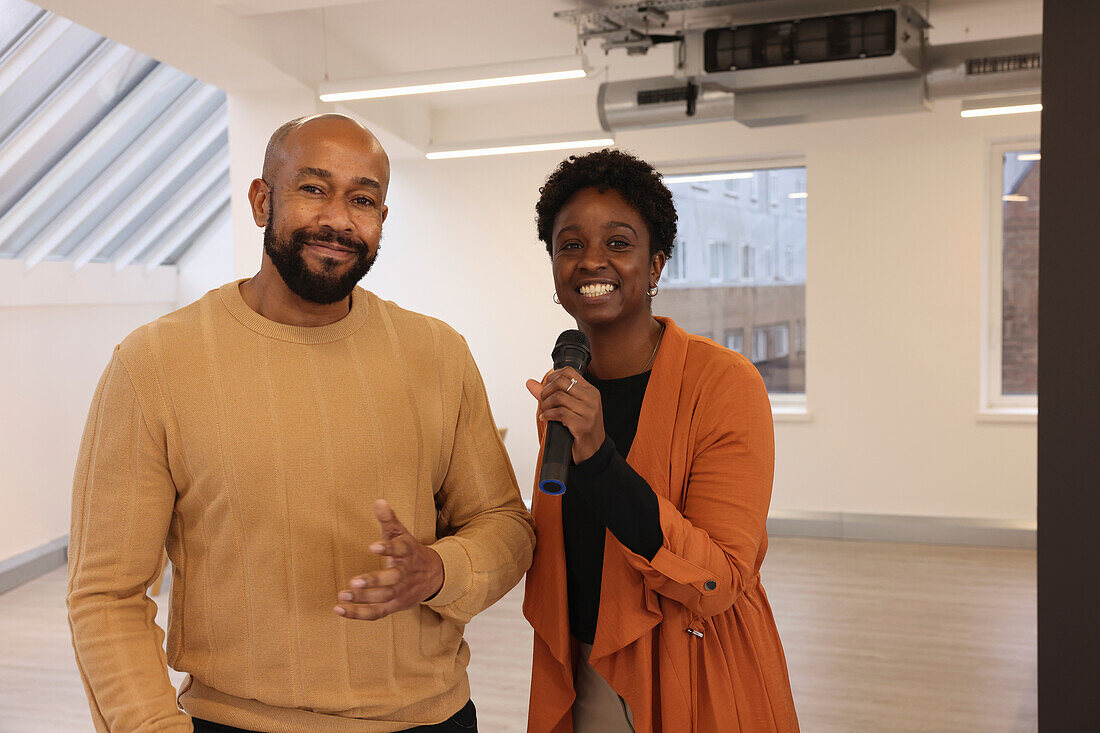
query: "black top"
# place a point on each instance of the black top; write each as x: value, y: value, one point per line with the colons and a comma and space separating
x: 604, y: 492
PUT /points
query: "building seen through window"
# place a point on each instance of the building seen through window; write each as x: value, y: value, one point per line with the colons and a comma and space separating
x: 738, y: 272
x: 1020, y: 272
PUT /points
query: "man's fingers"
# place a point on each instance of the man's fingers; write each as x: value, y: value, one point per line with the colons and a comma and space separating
x: 366, y: 611
x: 392, y: 548
x: 391, y: 525
x: 383, y: 594
x: 377, y: 579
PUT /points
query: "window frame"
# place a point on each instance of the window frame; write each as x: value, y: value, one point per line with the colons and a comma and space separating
x: 781, y: 334
x: 677, y: 273
x: 786, y: 407
x: 718, y: 256
x: 759, y: 339
x: 993, y: 403
x: 739, y: 333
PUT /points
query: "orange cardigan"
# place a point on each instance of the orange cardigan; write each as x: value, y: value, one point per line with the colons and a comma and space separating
x: 687, y: 639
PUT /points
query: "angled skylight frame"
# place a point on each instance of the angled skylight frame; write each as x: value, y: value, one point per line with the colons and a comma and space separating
x: 96, y: 141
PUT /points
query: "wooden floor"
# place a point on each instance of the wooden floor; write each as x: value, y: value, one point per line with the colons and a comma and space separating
x: 879, y: 637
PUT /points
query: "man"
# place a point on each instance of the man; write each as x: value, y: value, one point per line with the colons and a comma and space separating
x: 272, y: 434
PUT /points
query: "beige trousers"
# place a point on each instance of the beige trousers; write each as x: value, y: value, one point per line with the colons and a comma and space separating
x: 598, y: 708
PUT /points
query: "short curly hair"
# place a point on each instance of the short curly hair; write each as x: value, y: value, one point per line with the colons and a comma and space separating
x: 634, y: 179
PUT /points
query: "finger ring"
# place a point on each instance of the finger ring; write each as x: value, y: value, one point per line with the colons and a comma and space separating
x: 571, y: 383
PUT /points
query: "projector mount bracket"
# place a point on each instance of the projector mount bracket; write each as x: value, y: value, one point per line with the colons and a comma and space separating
x: 637, y: 26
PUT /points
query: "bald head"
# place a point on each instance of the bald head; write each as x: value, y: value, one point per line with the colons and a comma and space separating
x: 313, y: 129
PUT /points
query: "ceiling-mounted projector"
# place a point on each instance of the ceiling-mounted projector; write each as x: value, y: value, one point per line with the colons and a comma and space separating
x: 830, y: 67
x: 786, y: 71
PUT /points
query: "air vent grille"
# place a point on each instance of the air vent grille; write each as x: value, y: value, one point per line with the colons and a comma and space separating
x: 1003, y: 64
x: 663, y: 96
x: 806, y: 40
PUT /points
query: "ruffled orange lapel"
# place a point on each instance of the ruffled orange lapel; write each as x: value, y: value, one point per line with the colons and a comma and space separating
x: 628, y: 610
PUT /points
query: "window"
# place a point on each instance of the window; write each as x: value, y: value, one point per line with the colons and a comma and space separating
x: 721, y: 261
x: 1012, y: 343
x: 773, y: 189
x: 759, y: 345
x: 748, y: 261
x: 747, y: 283
x: 779, y: 341
x: 798, y: 195
x: 735, y: 340
x: 674, y: 268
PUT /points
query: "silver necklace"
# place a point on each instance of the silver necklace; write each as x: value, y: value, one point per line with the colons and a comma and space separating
x: 654, y: 354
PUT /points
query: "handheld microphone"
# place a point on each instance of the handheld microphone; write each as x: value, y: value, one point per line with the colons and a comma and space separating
x: 572, y: 350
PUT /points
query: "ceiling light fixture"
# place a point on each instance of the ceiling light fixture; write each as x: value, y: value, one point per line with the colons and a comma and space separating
x: 455, y: 79
x: 1015, y: 197
x: 797, y: 195
x: 704, y: 177
x: 480, y: 149
x: 1016, y: 104
x: 1029, y: 156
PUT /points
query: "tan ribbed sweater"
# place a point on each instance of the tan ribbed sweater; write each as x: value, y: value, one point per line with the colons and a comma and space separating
x: 257, y: 450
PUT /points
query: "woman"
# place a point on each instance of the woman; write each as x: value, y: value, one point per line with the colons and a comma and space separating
x: 645, y: 593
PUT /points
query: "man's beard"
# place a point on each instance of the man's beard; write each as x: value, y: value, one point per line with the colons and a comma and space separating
x: 323, y: 287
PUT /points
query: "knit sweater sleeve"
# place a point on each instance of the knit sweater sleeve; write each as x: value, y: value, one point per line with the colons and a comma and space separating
x: 487, y: 535
x: 123, y: 497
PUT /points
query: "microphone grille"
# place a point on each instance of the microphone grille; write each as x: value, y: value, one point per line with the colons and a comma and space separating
x: 572, y: 349
x: 573, y: 337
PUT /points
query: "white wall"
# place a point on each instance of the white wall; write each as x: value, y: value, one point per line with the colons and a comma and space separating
x: 57, y: 332
x: 894, y: 307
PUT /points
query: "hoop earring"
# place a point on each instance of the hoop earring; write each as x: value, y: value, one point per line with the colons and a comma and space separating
x: 652, y: 292
x: 556, y: 298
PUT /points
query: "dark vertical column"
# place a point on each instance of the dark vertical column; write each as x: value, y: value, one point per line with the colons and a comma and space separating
x: 1069, y: 370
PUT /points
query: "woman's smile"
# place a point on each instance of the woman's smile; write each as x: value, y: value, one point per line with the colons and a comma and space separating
x: 597, y: 291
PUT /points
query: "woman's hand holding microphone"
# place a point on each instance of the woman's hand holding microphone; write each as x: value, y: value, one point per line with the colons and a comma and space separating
x: 565, y: 396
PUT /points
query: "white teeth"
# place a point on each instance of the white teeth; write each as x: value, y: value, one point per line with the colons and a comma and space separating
x: 595, y: 290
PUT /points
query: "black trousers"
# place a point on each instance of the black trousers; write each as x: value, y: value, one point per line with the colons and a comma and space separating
x: 464, y: 721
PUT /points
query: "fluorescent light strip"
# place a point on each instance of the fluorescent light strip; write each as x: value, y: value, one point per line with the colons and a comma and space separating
x: 1029, y: 156
x: 797, y: 195
x: 1014, y: 109
x: 510, y: 149
x: 1015, y: 197
x: 704, y: 177
x: 451, y: 86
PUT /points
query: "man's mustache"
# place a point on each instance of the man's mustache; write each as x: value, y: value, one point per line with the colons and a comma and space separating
x: 302, y: 237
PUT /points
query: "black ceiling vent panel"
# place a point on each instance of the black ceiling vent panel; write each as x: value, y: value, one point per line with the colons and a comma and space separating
x: 803, y: 41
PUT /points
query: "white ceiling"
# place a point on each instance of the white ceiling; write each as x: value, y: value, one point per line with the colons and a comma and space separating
x: 239, y: 45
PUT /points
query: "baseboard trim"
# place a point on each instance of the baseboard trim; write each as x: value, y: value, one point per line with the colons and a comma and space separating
x: 904, y: 528
x: 15, y: 571
x: 23, y: 568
